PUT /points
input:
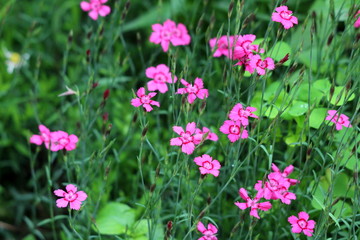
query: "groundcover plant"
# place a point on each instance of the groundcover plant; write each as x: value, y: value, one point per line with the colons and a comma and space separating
x: 194, y: 120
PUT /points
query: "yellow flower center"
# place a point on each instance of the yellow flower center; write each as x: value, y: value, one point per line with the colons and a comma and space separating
x: 15, y: 58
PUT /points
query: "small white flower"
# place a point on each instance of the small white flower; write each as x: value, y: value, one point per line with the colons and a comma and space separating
x: 15, y: 60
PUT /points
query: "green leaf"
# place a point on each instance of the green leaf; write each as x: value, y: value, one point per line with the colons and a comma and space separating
x: 298, y: 108
x: 340, y: 96
x: 294, y: 140
x: 317, y: 117
x: 140, y: 231
x: 279, y: 51
x: 323, y: 85
x: 114, y: 218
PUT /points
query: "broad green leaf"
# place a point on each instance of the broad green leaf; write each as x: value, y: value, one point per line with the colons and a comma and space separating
x: 340, y: 96
x: 140, y: 231
x: 303, y: 93
x: 294, y: 140
x: 279, y: 51
x: 114, y: 218
x: 323, y: 85
x: 317, y: 117
x: 272, y: 90
x: 298, y: 108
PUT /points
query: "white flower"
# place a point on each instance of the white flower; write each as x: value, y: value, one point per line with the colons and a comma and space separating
x: 15, y: 60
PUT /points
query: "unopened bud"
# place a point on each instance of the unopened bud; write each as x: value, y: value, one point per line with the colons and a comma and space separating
x: 134, y: 118
x: 105, y: 117
x: 330, y: 38
x: 70, y: 37
x: 89, y: 35
x: 202, y: 214
x: 106, y: 94
x: 231, y: 7
x: 208, y: 200
x: 108, y: 130
x: 144, y: 131
x: 107, y: 170
x: 95, y: 84
x: 285, y: 59
x: 293, y: 68
x: 248, y: 19
x: 332, y: 89
x: 308, y: 152
x: 152, y: 187
x: 348, y: 86
x: 157, y: 172
x: 283, y: 2
x: 203, y: 105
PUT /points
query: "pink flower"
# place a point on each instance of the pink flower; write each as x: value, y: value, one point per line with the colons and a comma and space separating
x: 62, y: 140
x: 209, y: 233
x: 252, y: 203
x: 233, y: 129
x: 96, y: 8
x: 160, y: 75
x: 188, y: 139
x: 210, y: 135
x: 261, y: 65
x: 272, y: 187
x: 208, y: 165
x: 302, y: 224
x: 241, y: 114
x: 169, y: 32
x: 244, y: 46
x: 195, y: 91
x: 44, y: 137
x: 340, y: 121
x: 284, y: 16
x: 357, y: 22
x: 71, y: 196
x: 144, y: 100
x: 287, y: 171
x: 223, y: 46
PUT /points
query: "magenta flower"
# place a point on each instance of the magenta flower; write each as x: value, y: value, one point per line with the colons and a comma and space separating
x: 252, y: 203
x: 241, y: 114
x: 144, y: 100
x: 272, y: 187
x: 210, y: 135
x: 261, y: 65
x: 169, y: 32
x: 62, y: 140
x: 195, y: 91
x: 209, y: 232
x: 160, y: 75
x: 284, y: 16
x: 357, y: 22
x: 44, y: 137
x: 223, y: 46
x: 340, y: 121
x: 244, y: 46
x: 188, y: 139
x: 95, y: 8
x: 71, y: 196
x: 302, y: 224
x: 208, y: 165
x: 234, y: 131
x: 287, y: 171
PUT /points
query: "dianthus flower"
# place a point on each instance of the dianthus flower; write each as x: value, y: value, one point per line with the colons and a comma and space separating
x: 15, y: 60
x: 169, y: 32
x: 71, y: 196
x: 357, y: 22
x: 272, y: 186
x: 302, y: 224
x: 252, y: 203
x: 188, y: 139
x: 209, y: 232
x: 44, y: 137
x: 244, y: 46
x: 194, y: 91
x: 340, y: 121
x: 160, y: 76
x: 208, y: 165
x: 95, y: 8
x: 144, y: 100
x: 234, y: 131
x: 260, y: 65
x: 223, y: 46
x: 62, y: 140
x: 284, y: 16
x: 287, y: 171
x: 241, y: 114
x: 209, y: 135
